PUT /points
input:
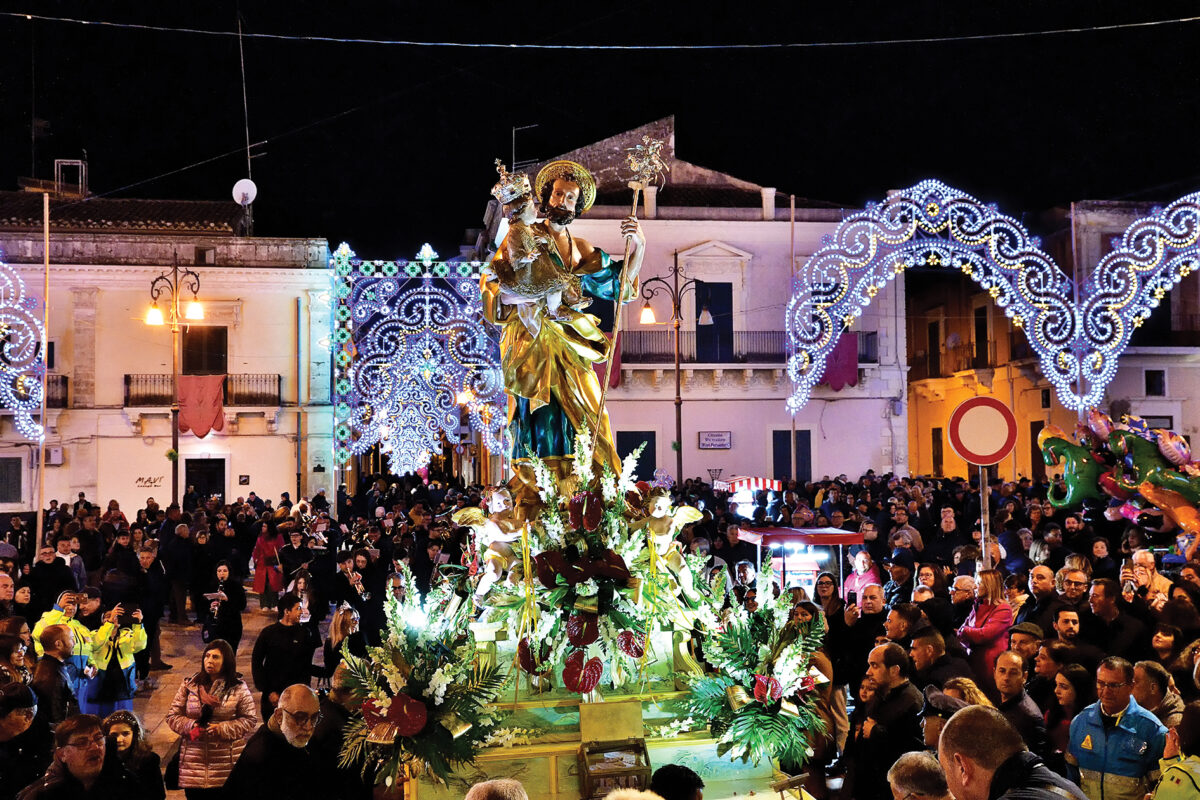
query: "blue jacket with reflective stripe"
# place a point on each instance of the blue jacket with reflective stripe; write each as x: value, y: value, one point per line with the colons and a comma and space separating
x: 1117, y: 764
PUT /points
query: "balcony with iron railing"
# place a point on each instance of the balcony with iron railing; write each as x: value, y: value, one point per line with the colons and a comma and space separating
x: 246, y: 389
x: 56, y: 391
x: 717, y: 347
x: 944, y: 362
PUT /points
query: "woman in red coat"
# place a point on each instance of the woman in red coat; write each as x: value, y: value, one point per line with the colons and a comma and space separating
x: 268, y: 574
x: 985, y: 633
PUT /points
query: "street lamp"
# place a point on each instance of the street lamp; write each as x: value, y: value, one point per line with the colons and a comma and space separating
x: 169, y: 285
x: 674, y: 291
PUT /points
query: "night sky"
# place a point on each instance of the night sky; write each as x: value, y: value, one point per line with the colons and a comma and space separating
x: 390, y: 146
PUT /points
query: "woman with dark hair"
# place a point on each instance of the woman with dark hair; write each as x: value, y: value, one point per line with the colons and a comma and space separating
x: 1074, y: 690
x: 127, y: 738
x: 224, y: 618
x: 826, y: 590
x: 213, y: 712
x: 1181, y: 759
x: 18, y: 626
x: 932, y: 576
x: 26, y: 744
x: 268, y: 574
x: 12, y: 660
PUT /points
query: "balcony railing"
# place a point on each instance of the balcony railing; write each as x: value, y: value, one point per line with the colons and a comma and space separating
x: 1019, y: 347
x: 714, y: 347
x: 247, y: 389
x: 970, y: 355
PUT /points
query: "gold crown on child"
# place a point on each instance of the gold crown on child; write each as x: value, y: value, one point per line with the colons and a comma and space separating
x: 512, y: 185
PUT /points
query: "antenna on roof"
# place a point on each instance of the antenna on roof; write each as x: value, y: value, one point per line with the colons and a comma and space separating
x: 518, y: 164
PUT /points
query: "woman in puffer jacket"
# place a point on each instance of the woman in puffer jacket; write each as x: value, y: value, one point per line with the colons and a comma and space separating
x: 214, y: 713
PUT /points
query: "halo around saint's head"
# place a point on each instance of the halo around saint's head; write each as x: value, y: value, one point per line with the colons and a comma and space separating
x: 568, y: 170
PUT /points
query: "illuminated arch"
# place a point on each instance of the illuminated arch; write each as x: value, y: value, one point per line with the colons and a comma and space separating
x: 931, y: 224
x: 411, y: 353
x: 1153, y: 255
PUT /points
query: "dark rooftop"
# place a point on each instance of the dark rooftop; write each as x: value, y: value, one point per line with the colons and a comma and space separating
x: 23, y: 210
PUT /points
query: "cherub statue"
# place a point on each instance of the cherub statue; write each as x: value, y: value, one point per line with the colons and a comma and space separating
x: 530, y: 277
x: 662, y: 526
x: 494, y: 534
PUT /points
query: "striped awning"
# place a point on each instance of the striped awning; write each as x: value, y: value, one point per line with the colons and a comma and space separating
x: 749, y: 484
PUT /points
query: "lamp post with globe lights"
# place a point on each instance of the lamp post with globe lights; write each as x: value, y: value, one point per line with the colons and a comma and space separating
x: 674, y: 291
x: 170, y: 285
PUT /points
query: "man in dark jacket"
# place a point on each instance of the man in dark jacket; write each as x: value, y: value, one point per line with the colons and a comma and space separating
x: 50, y: 683
x: 984, y: 758
x: 282, y: 654
x: 276, y: 761
x: 48, y: 578
x: 893, y: 724
x: 901, y: 565
x: 1043, y: 599
x: 326, y: 745
x: 83, y: 767
x: 176, y: 554
x: 854, y: 639
x: 932, y: 665
x: 1015, y: 703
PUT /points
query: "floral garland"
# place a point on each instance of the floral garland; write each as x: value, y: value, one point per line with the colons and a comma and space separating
x: 589, y: 599
x: 424, y: 701
x: 759, y: 700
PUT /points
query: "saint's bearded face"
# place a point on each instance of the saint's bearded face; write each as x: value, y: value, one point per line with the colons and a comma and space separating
x: 560, y: 203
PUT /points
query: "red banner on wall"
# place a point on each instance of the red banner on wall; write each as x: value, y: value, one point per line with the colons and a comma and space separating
x: 841, y: 368
x: 201, y: 404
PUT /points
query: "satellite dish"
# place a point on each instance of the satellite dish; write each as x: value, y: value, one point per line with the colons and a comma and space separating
x: 244, y: 192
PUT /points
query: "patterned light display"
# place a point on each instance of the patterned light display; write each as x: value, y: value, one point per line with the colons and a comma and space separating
x: 411, y: 353
x: 21, y: 364
x: 931, y: 224
x: 1153, y: 255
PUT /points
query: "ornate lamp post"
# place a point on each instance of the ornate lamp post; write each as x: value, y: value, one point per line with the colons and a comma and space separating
x: 170, y: 284
x: 675, y: 292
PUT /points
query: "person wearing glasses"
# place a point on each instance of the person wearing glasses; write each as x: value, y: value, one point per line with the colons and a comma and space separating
x: 276, y: 761
x: 1115, y: 744
x: 83, y: 769
x: 213, y: 712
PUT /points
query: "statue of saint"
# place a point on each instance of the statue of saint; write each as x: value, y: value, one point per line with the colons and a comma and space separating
x: 548, y: 351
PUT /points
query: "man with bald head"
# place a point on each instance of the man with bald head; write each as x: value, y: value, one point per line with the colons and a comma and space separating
x: 1043, y: 599
x: 276, y: 761
x: 984, y: 757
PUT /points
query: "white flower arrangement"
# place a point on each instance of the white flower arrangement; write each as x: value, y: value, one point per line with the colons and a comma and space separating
x: 584, y: 452
x: 437, y: 685
x: 510, y: 737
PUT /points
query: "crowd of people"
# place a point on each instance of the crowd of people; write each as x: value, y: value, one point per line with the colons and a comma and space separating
x: 1067, y: 651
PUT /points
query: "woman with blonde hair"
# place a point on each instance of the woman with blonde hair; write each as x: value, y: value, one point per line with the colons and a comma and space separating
x: 966, y: 690
x: 985, y: 633
x: 344, y: 637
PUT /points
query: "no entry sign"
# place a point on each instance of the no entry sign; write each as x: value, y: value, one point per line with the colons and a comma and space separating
x: 982, y: 430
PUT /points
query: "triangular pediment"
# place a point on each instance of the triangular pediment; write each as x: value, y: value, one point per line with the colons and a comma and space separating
x: 716, y: 250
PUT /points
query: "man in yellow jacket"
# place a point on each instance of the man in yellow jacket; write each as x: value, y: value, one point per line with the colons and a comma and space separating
x: 79, y: 667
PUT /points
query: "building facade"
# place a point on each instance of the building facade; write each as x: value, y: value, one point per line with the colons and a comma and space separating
x: 739, y: 242
x: 265, y: 328
x: 961, y: 345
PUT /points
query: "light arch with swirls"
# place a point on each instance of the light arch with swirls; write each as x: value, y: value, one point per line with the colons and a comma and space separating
x: 931, y: 224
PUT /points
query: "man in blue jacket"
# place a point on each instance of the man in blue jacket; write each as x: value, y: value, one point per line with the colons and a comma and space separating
x: 1115, y: 744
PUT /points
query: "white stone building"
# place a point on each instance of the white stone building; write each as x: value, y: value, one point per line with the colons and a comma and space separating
x: 735, y: 239
x: 265, y: 326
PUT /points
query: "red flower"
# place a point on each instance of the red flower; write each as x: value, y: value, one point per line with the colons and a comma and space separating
x: 767, y: 689
x: 582, y: 677
x: 526, y: 657
x: 631, y: 644
x: 807, y: 685
x: 408, y: 714
x: 585, y: 510
x: 582, y: 629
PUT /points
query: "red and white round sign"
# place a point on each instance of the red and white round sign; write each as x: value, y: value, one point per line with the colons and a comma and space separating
x: 982, y: 430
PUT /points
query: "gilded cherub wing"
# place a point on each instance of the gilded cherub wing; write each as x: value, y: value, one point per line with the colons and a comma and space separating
x: 469, y: 517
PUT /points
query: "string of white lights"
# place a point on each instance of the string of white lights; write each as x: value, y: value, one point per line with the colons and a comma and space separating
x: 613, y: 47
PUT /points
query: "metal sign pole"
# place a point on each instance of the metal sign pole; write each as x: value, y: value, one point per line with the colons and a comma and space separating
x: 984, y: 521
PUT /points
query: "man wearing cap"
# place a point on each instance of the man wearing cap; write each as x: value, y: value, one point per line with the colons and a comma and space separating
x: 548, y: 371
x: 901, y: 565
x: 938, y: 708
